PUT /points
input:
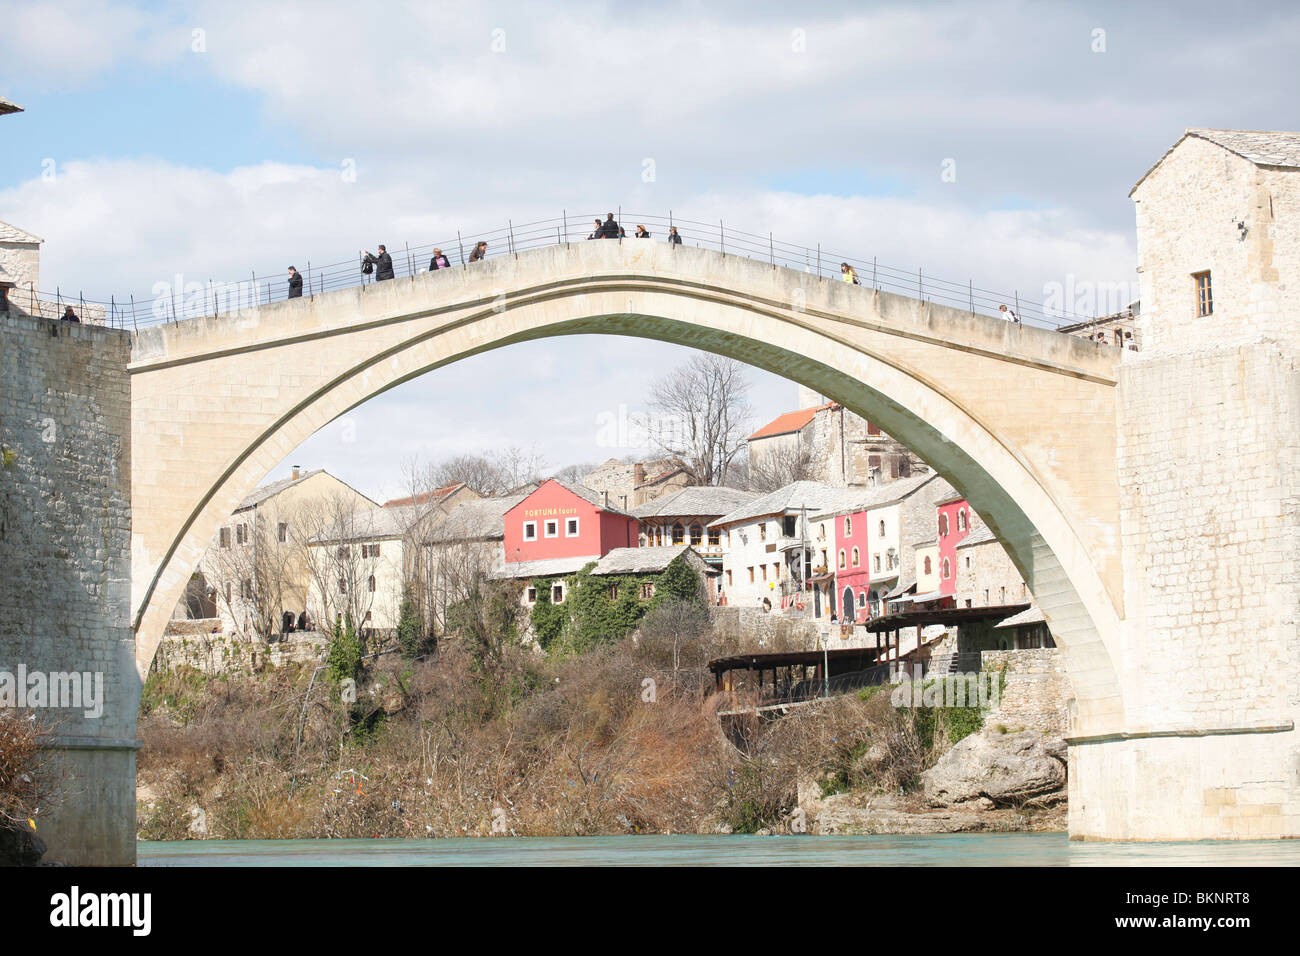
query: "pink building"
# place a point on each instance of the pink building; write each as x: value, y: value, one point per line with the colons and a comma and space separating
x: 852, y: 568
x: 562, y: 520
x: 954, y: 518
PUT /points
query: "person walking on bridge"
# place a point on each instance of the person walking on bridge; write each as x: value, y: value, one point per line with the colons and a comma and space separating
x: 383, y: 263
x: 295, y: 283
x: 480, y: 251
x: 673, y: 237
x: 642, y: 232
x: 595, y: 232
x: 439, y: 261
x: 849, y: 274
x: 69, y: 315
x: 1008, y: 314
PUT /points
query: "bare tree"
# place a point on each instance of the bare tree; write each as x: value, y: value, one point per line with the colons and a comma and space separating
x: 255, y: 571
x: 340, y: 556
x: 779, y: 466
x: 708, y: 416
x: 575, y: 473
x: 497, y: 473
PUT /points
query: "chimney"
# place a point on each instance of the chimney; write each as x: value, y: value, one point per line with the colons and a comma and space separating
x: 296, y: 472
x: 638, y: 475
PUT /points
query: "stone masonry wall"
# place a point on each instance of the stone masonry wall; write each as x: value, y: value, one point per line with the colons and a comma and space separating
x: 65, y: 528
x: 236, y: 653
x: 1036, y: 693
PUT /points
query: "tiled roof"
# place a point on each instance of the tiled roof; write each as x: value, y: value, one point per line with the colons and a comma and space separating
x: 11, y: 233
x: 370, y: 524
x: 789, y: 422
x: 981, y: 535
x: 695, y: 500
x: 585, y: 493
x: 795, y: 496
x: 638, y: 560
x: 477, y: 520
x: 263, y: 492
x: 545, y: 568
x: 1261, y: 147
x: 426, y: 497
x: 1033, y: 615
x: 863, y: 499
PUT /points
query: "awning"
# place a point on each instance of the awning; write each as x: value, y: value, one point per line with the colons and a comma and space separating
x: 945, y: 616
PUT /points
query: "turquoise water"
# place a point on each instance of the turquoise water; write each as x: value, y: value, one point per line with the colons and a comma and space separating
x: 965, y: 849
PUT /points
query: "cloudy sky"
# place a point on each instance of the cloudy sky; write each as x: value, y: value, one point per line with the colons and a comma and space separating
x: 993, y: 141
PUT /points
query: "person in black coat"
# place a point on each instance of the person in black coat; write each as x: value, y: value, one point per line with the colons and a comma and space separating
x: 295, y: 283
x: 609, y: 229
x: 383, y: 264
x: 439, y: 261
x: 480, y: 251
x: 673, y: 237
x: 595, y: 232
x: 69, y: 315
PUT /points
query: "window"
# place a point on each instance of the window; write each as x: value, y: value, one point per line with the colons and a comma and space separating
x: 821, y: 531
x: 370, y: 550
x: 532, y: 595
x: 751, y: 575
x: 715, y: 537
x: 857, y: 558
x: 943, y: 525
x: 1024, y: 591
x: 225, y: 537
x: 776, y: 571
x: 927, y: 565
x: 571, y: 528
x: 552, y: 528
x: 241, y: 534
x: 968, y: 562
x: 370, y: 584
x: 842, y: 563
x: 227, y: 592
x: 697, y: 534
x: 961, y: 520
x: 343, y: 585
x: 876, y: 563
x: 986, y: 595
x: 763, y: 568
x: 613, y: 592
x: 728, y: 579
x: 1204, y: 299
x: 282, y: 532
x: 947, y: 568
x: 647, y: 591
x: 848, y: 526
x: 882, y: 528
x: 789, y: 526
x: 968, y: 602
x: 762, y: 531
x: 862, y: 599
x: 679, y: 534
x: 246, y: 589
x: 530, y: 530
x: 904, y: 466
x: 344, y: 552
x: 1002, y: 599
x: 557, y: 593
x: 873, y: 429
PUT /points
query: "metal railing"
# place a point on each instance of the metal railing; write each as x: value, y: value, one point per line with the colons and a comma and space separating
x: 211, y: 297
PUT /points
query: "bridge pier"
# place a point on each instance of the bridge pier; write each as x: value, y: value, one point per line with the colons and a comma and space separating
x: 65, y: 569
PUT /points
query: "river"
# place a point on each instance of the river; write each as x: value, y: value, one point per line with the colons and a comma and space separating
x: 963, y: 849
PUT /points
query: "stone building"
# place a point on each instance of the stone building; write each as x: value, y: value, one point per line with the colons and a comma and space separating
x: 20, y: 280
x: 256, y: 573
x: 622, y: 563
x: 1122, y: 329
x: 829, y: 444
x: 684, y: 518
x: 630, y: 484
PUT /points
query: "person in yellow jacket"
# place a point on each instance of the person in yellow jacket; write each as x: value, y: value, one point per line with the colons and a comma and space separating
x: 848, y: 273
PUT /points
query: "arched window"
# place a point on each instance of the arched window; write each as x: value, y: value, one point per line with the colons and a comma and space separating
x: 848, y: 526
x: 943, y: 525
x: 857, y: 558
x: 927, y: 564
x: 882, y: 528
x: 697, y: 534
x: 842, y: 558
x: 947, y: 569
x: 961, y: 520
x: 679, y: 534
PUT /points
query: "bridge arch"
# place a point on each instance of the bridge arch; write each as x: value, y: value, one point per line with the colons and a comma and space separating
x: 1020, y: 420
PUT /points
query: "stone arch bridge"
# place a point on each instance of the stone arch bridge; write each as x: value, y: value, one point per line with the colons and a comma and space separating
x: 1032, y: 426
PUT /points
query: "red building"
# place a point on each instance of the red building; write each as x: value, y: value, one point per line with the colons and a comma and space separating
x: 560, y: 520
x: 954, y: 517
